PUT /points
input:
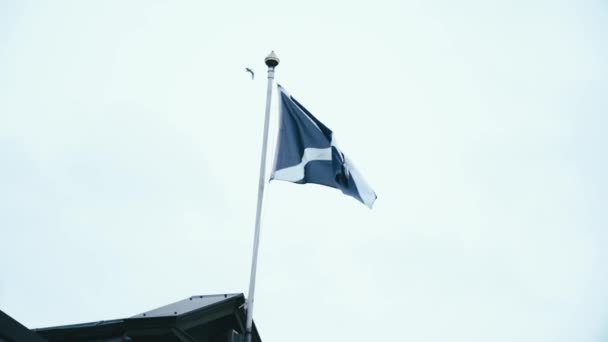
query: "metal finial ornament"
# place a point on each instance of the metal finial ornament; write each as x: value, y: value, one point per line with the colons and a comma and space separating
x: 250, y: 71
x: 272, y: 60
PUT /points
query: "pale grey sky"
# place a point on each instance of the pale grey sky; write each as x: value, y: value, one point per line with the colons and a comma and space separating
x: 130, y: 139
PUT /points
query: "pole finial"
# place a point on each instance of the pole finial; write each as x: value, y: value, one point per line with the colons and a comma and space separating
x: 271, y: 60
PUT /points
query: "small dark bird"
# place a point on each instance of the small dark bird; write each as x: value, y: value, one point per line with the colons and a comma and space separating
x: 250, y: 71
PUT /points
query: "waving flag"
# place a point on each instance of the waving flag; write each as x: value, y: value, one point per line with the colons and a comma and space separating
x: 307, y: 153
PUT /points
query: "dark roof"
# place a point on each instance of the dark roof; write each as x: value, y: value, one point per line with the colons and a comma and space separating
x: 207, y: 318
x: 11, y: 330
x: 187, y: 305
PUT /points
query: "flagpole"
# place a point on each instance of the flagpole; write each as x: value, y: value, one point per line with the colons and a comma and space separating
x: 271, y: 61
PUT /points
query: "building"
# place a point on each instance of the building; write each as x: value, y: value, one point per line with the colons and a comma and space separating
x: 11, y: 330
x: 210, y: 318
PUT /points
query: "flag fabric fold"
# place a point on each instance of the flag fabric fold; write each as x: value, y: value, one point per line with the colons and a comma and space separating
x: 307, y: 153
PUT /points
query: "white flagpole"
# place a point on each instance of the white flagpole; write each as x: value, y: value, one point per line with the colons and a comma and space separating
x: 271, y: 61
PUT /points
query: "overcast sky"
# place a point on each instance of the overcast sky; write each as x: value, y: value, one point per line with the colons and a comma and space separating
x: 130, y: 139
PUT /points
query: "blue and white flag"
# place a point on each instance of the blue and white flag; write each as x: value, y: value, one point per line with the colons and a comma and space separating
x: 306, y: 153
